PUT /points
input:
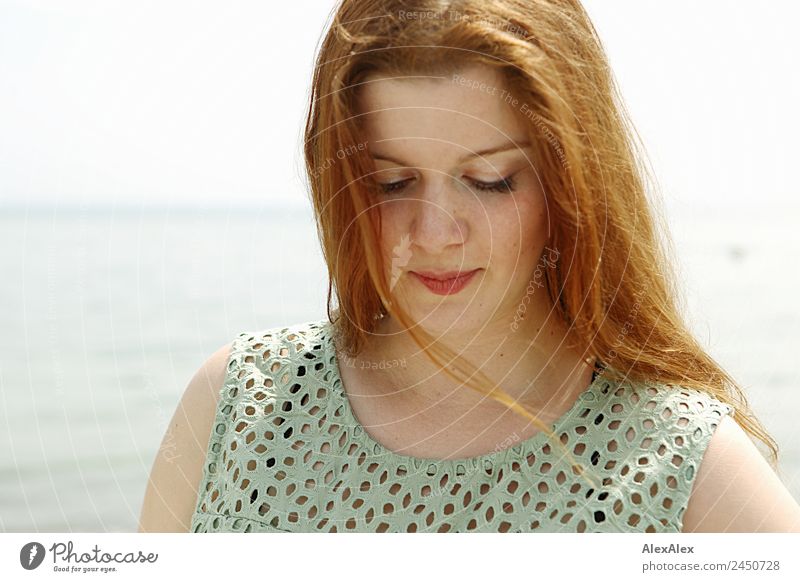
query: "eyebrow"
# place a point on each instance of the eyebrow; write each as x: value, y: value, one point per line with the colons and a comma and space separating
x: 481, y: 153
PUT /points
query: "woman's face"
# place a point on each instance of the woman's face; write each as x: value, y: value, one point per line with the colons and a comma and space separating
x: 458, y: 192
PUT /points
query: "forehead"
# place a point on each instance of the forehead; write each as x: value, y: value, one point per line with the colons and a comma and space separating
x: 468, y: 107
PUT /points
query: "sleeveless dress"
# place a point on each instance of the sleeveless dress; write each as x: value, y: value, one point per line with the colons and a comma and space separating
x: 286, y: 454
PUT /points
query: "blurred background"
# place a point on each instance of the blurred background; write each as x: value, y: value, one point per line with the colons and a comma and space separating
x: 153, y: 206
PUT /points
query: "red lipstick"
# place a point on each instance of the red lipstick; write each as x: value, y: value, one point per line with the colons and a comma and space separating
x: 445, y: 282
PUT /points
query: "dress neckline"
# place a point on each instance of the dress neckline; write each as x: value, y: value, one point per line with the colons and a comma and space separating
x: 588, y: 397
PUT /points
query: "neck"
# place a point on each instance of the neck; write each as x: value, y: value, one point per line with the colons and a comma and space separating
x: 531, y: 362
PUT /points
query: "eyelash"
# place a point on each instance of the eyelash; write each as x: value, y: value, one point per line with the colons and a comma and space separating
x: 504, y: 185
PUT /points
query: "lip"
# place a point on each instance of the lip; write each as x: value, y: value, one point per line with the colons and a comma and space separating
x: 444, y: 282
x: 442, y: 275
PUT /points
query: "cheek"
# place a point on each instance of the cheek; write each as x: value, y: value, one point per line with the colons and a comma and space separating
x: 519, y: 228
x: 392, y: 236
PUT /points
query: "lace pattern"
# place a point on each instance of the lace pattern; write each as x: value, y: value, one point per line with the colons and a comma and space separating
x: 286, y: 454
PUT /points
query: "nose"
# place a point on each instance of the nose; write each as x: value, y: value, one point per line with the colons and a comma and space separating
x: 437, y: 221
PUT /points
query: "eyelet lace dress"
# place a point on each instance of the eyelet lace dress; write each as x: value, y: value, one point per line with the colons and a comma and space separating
x: 287, y: 454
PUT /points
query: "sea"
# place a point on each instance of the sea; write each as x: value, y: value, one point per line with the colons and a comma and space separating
x: 107, y: 312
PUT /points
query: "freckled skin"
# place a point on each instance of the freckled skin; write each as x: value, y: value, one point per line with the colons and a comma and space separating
x: 423, y: 134
x: 430, y: 125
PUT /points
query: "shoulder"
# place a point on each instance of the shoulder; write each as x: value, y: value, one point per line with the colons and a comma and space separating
x: 177, y: 469
x: 294, y: 339
x: 211, y: 400
x: 269, y: 370
x: 736, y: 490
x: 275, y: 355
x: 719, y: 480
x: 676, y: 449
x: 269, y: 397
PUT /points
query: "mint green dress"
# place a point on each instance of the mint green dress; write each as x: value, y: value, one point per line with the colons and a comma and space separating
x: 286, y: 454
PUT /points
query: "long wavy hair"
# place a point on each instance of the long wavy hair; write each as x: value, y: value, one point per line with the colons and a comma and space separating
x: 618, y: 295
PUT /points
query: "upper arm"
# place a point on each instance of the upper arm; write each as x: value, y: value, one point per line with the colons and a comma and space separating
x: 736, y: 490
x: 172, y: 489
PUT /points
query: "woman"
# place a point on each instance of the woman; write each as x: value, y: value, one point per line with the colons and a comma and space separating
x: 505, y: 352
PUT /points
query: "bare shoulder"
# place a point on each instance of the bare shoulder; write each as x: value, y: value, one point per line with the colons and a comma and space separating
x: 736, y: 490
x: 172, y: 489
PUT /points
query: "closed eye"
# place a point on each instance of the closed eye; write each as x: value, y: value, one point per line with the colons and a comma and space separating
x: 390, y: 187
x: 504, y: 185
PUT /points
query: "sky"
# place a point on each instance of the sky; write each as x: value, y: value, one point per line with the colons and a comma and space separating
x: 202, y: 103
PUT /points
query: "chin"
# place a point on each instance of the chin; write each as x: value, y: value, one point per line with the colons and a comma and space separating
x: 449, y: 320
x: 442, y: 314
